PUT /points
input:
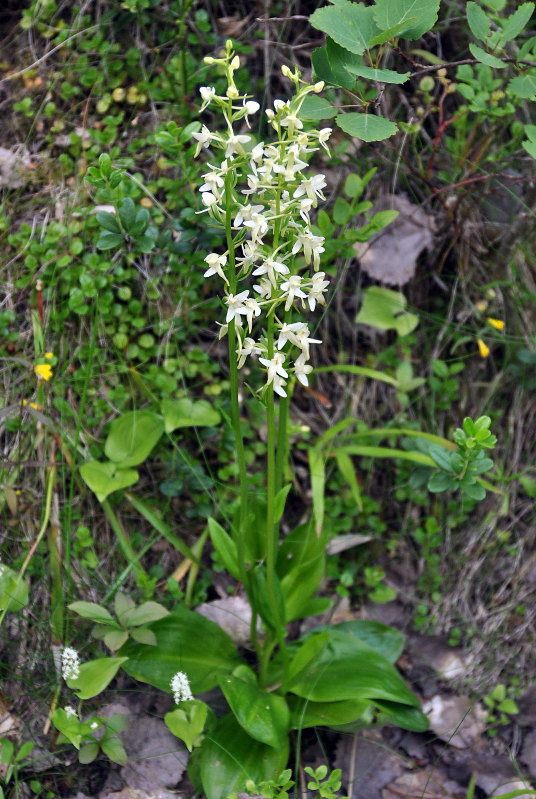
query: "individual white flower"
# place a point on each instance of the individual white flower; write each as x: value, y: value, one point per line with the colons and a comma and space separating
x: 274, y: 366
x: 303, y: 341
x: 257, y: 153
x: 213, y: 183
x: 234, y: 142
x: 215, y: 263
x: 70, y: 664
x: 208, y: 199
x: 279, y: 384
x: 235, y: 306
x: 245, y: 214
x: 249, y: 347
x: 289, y: 332
x: 207, y: 93
x: 312, y: 247
x: 305, y: 206
x: 252, y: 309
x: 251, y: 107
x: 70, y: 712
x: 312, y: 187
x: 258, y: 226
x: 292, y: 122
x: 270, y: 267
x: 94, y: 725
x: 180, y: 686
x: 250, y: 255
x: 292, y: 287
x: 316, y: 292
x: 204, y: 137
x: 302, y: 369
x: 264, y: 288
x: 223, y: 330
x: 323, y: 136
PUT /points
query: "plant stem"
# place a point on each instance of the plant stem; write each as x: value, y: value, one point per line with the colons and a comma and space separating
x: 233, y: 375
x: 124, y: 543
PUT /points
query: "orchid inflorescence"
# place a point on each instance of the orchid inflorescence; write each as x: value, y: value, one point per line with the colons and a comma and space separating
x: 270, y: 225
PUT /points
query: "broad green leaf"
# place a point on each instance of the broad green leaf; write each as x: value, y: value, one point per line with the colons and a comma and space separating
x: 188, y: 722
x: 187, y: 413
x: 349, y: 24
x: 416, y: 16
x: 367, y: 127
x: 473, y: 490
x: 107, y: 240
x: 478, y: 21
x: 440, y: 482
x: 379, y: 221
x: 409, y: 718
x: 225, y: 547
x: 108, y: 222
x: 340, y: 59
x: 230, y: 757
x: 393, y: 32
x: 132, y: 436
x: 342, y: 211
x: 324, y: 71
x: 316, y: 108
x: 486, y: 58
x: 13, y: 590
x: 122, y: 605
x: 305, y: 713
x: 143, y: 636
x: 385, y: 640
x: 115, y: 639
x: 516, y: 23
x: 263, y: 715
x: 95, y: 676
x: 306, y: 654
x: 441, y: 457
x: 351, y: 669
x: 523, y: 86
x: 187, y: 642
x: 90, y: 610
x: 300, y: 566
x: 268, y: 599
x: 145, y: 613
x: 127, y: 214
x: 105, y: 478
x: 114, y: 750
x: 381, y: 75
x: 385, y: 309
x: 88, y: 752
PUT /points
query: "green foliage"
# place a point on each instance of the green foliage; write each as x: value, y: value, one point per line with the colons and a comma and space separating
x: 131, y: 620
x: 500, y: 708
x: 386, y: 310
x: 83, y: 735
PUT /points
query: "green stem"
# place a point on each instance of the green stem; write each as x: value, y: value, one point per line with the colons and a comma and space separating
x: 233, y: 375
x: 124, y: 543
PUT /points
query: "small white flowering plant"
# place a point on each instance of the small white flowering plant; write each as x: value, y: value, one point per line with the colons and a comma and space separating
x: 260, y: 198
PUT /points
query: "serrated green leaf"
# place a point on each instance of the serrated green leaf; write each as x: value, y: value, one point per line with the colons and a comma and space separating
x: 523, y: 86
x: 324, y: 71
x: 416, y: 16
x: 367, y: 127
x: 486, y: 58
x: 478, y: 21
x: 391, y: 33
x: 517, y: 22
x: 381, y: 75
x: 349, y: 24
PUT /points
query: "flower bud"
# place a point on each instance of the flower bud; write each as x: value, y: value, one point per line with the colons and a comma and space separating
x: 286, y: 71
x: 235, y: 63
x: 209, y: 60
x: 318, y: 86
x: 232, y: 93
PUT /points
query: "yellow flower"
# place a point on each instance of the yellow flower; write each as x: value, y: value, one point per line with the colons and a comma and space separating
x: 482, y: 348
x: 498, y: 324
x: 31, y: 404
x: 43, y: 371
x: 481, y: 306
x: 49, y: 355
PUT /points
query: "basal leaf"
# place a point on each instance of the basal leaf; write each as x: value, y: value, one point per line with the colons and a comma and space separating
x: 367, y: 127
x: 263, y: 715
x: 186, y: 641
x: 229, y: 757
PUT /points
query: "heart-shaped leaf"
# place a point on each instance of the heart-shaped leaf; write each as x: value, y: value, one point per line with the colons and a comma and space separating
x: 132, y: 436
x: 105, y: 478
